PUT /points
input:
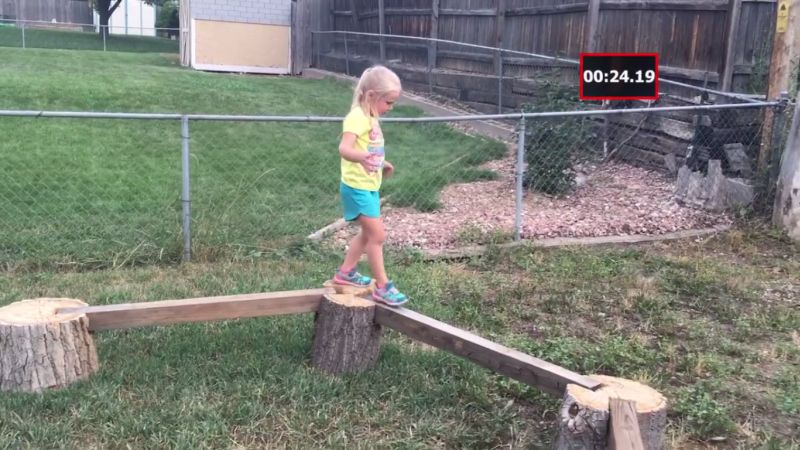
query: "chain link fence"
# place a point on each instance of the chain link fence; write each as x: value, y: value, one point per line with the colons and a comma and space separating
x: 76, y: 36
x: 149, y: 188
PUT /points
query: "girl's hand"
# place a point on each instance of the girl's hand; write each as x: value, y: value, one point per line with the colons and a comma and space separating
x: 388, y: 169
x: 370, y: 162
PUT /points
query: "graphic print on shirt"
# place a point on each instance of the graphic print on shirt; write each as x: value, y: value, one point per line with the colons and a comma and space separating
x: 375, y: 146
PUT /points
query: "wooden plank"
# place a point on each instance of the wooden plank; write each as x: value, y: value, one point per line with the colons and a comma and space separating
x: 647, y: 140
x: 657, y: 122
x: 624, y: 428
x: 506, y: 361
x: 480, y: 250
x: 386, y: 12
x: 467, y: 12
x: 667, y: 5
x: 168, y: 312
x: 548, y: 10
x: 592, y: 20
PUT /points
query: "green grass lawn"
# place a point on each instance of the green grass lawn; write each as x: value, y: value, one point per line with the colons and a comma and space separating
x: 83, y: 40
x: 711, y: 324
x: 89, y: 193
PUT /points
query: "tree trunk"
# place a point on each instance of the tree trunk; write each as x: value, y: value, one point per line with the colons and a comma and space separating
x: 584, y: 418
x: 346, y: 337
x: 104, y: 10
x: 104, y: 16
x: 42, y: 349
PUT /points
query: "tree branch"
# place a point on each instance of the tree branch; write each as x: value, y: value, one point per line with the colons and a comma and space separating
x: 113, y: 8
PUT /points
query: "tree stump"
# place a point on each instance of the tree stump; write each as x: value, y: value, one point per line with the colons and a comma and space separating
x: 346, y: 337
x: 584, y: 417
x: 42, y: 349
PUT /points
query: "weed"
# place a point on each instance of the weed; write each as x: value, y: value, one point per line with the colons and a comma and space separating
x: 705, y: 415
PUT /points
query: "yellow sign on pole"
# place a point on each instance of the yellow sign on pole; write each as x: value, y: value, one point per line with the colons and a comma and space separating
x: 783, y: 16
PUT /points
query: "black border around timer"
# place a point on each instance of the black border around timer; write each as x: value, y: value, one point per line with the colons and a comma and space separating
x: 630, y: 62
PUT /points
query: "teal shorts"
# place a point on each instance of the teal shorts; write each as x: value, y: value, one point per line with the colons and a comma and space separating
x: 358, y: 202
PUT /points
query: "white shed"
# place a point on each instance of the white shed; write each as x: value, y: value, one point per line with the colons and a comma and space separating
x: 251, y: 36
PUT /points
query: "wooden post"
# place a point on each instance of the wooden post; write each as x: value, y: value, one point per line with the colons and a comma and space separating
x: 346, y: 337
x: 624, y: 433
x: 185, y: 36
x: 786, y: 212
x: 499, y: 26
x: 432, y: 47
x: 731, y: 34
x: 592, y: 19
x: 43, y: 349
x: 354, y: 14
x: 500, y: 20
x: 585, y: 414
x: 785, y: 53
x: 382, y: 27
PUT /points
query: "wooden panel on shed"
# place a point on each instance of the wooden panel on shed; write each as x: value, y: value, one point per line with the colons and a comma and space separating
x: 245, y: 47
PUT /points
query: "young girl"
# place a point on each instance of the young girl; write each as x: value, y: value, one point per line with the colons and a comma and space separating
x: 363, y: 169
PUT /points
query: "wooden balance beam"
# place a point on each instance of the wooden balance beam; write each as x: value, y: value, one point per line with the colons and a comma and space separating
x: 512, y: 363
x: 501, y: 359
x: 348, y: 328
x: 203, y: 309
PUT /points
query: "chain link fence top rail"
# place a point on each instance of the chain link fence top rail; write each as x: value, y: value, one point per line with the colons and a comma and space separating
x: 165, y: 187
x: 82, y: 36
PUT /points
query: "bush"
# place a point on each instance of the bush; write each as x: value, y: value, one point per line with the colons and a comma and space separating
x: 168, y: 17
x: 553, y: 145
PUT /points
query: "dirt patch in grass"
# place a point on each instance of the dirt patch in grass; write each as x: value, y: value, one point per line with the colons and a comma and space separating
x: 614, y: 199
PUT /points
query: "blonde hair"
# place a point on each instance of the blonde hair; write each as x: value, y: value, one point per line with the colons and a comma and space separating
x: 377, y: 79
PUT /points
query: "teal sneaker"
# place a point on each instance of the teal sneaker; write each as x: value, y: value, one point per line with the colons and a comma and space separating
x: 389, y: 295
x: 352, y: 278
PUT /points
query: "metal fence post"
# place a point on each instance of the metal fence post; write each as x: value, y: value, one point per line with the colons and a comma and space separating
x: 346, y: 56
x: 23, y: 34
x: 519, y: 172
x: 104, y: 32
x: 186, y: 201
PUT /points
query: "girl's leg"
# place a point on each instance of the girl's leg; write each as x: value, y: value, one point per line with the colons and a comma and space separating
x: 374, y: 236
x: 354, y: 252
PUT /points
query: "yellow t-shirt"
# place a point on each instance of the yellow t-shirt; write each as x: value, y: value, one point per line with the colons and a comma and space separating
x: 369, y: 138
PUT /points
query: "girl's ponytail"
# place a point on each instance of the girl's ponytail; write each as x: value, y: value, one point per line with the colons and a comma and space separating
x: 359, y: 89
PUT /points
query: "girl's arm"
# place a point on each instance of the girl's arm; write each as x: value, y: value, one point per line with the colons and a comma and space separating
x: 388, y: 169
x: 348, y: 151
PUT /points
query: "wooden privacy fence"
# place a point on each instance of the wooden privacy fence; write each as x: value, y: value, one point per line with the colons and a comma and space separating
x: 46, y: 343
x: 724, y: 43
x: 72, y: 12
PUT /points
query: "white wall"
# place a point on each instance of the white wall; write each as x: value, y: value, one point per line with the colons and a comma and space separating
x: 132, y: 17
